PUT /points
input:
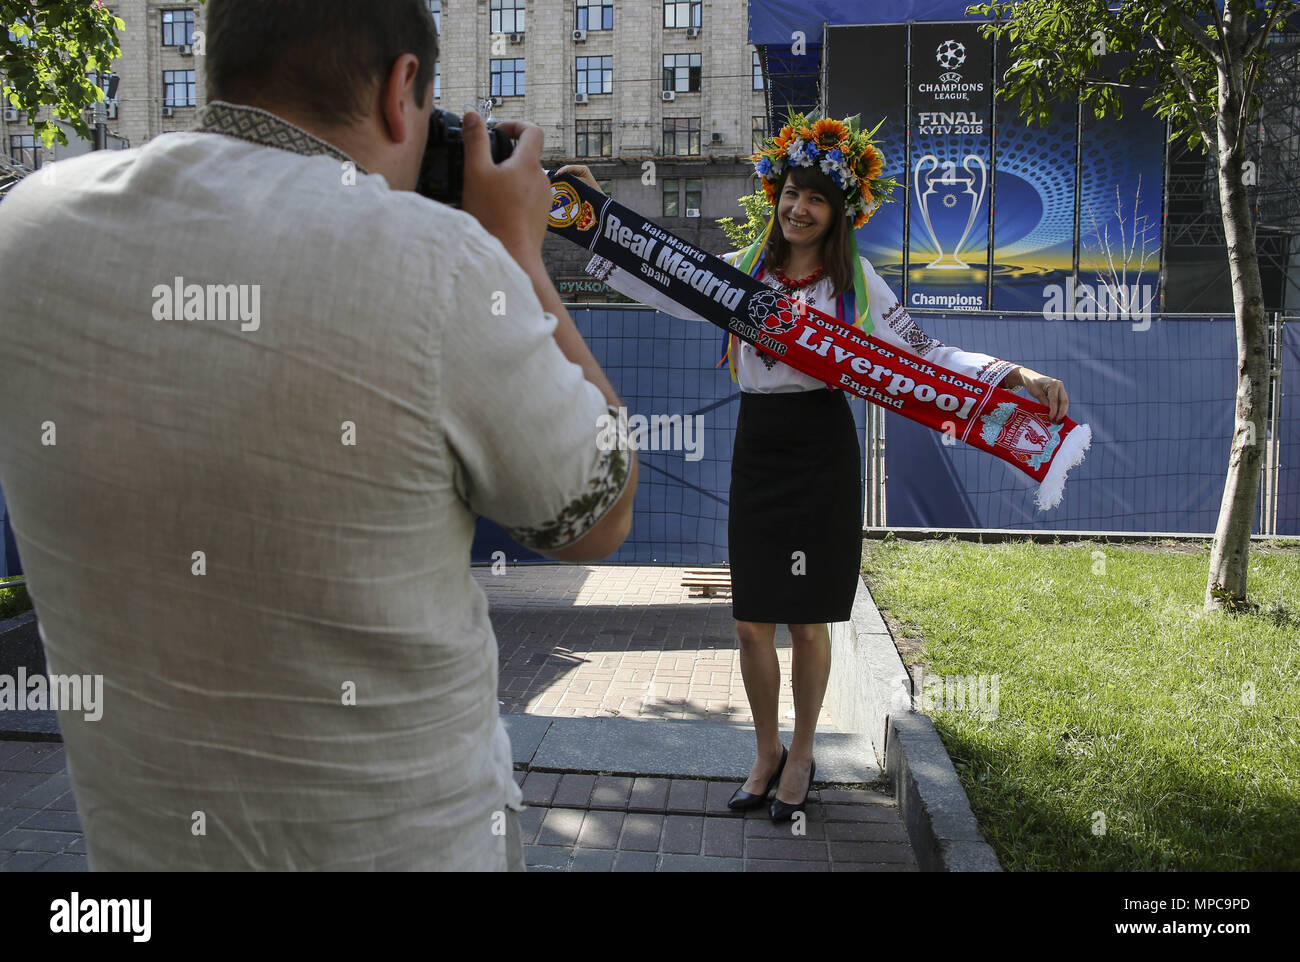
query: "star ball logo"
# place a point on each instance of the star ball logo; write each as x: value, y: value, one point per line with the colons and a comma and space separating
x: 951, y: 54
x: 772, y: 312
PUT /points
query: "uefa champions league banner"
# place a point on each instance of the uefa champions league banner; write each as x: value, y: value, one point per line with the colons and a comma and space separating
x: 950, y: 169
x: 1121, y: 188
x: 1033, y: 213
x: 877, y: 90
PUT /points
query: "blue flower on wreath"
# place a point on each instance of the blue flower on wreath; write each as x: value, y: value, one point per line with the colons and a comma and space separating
x: 811, y: 150
x: 836, y: 156
x: 764, y: 167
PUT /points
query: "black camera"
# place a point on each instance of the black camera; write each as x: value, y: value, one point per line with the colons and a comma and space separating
x: 442, y: 171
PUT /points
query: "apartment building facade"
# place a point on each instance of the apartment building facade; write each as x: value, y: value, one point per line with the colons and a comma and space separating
x: 663, y: 99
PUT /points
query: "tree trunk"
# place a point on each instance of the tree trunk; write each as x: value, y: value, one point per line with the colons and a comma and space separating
x: 1230, y: 556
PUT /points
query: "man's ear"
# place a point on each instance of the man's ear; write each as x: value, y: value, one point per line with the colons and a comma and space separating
x: 397, y: 97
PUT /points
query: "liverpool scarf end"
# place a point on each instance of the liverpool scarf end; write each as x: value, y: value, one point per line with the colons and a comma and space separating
x: 1074, y: 447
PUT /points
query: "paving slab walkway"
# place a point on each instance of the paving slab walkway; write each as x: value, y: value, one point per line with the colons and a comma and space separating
x: 620, y: 641
x: 630, y: 729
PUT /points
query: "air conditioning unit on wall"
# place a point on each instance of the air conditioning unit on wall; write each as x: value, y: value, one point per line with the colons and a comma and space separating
x: 11, y: 115
x: 169, y: 111
x: 579, y: 98
x: 669, y: 96
x: 692, y: 33
x: 187, y: 50
x: 579, y: 36
x: 692, y: 212
x: 516, y: 38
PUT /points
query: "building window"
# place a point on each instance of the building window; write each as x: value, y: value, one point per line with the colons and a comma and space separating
x: 437, y: 79
x: 435, y: 8
x: 595, y: 75
x: 682, y: 14
x: 758, y: 72
x: 682, y: 135
x: 177, y: 27
x: 508, y: 78
x: 25, y: 150
x: 682, y: 72
x: 507, y: 16
x: 760, y: 133
x: 178, y: 88
x: 694, y: 193
x: 595, y: 138
x: 672, y: 197
x: 595, y: 15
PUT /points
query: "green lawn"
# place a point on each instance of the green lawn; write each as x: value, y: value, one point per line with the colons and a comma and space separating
x: 13, y: 601
x: 1117, y: 695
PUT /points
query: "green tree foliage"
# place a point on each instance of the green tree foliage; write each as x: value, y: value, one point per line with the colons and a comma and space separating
x: 757, y: 211
x: 1203, y: 63
x: 48, y: 54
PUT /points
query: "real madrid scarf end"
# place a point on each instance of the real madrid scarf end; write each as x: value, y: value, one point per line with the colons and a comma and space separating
x: 1011, y: 427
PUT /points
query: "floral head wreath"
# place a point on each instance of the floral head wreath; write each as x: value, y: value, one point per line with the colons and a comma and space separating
x: 843, y: 152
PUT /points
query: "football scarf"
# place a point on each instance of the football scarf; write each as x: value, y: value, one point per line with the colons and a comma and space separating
x: 1008, y: 426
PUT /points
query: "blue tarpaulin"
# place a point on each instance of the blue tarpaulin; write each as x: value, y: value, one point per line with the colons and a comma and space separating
x: 773, y: 22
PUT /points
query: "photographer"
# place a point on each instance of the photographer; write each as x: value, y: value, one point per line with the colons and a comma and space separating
x: 245, y: 432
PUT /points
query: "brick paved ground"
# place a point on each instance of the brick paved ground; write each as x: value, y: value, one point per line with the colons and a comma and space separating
x: 577, y: 641
x: 620, y: 641
x: 39, y: 828
x: 595, y: 823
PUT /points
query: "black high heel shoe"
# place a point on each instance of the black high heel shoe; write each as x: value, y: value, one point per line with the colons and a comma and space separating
x: 784, y: 811
x: 743, y: 801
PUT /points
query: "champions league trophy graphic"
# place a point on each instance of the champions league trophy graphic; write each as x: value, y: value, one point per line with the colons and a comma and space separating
x: 949, y: 202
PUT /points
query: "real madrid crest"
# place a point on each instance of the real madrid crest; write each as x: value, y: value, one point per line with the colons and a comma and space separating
x: 565, y: 207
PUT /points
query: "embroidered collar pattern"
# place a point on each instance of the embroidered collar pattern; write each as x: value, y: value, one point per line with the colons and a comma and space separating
x: 265, y: 129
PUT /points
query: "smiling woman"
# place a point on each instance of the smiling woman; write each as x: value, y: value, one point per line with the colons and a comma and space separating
x: 810, y: 209
x: 794, y: 526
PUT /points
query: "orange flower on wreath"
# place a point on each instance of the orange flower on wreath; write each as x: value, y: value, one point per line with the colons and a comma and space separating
x: 785, y: 136
x: 828, y: 132
x: 875, y: 163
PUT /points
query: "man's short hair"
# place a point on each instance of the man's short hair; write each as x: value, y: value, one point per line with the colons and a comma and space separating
x: 322, y: 58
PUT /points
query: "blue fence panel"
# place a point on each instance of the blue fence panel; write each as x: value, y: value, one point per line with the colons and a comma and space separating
x: 9, y: 563
x: 662, y: 365
x: 1160, y: 403
x: 1288, y: 487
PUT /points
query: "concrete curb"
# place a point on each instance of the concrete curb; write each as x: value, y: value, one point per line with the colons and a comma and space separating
x: 870, y: 691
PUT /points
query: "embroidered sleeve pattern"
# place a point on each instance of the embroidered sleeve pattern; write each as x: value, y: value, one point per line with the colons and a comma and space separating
x: 901, y: 323
x: 582, y: 513
x: 994, y: 371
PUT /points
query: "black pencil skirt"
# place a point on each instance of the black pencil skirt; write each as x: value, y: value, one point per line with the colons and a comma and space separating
x: 794, y: 530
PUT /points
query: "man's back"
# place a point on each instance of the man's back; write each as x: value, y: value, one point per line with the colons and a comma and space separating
x: 254, y: 524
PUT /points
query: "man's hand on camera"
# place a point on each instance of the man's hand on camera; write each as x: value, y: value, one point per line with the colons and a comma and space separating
x: 511, y: 200
x: 581, y: 172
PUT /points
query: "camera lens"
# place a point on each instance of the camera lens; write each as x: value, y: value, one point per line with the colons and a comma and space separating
x: 442, y: 170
